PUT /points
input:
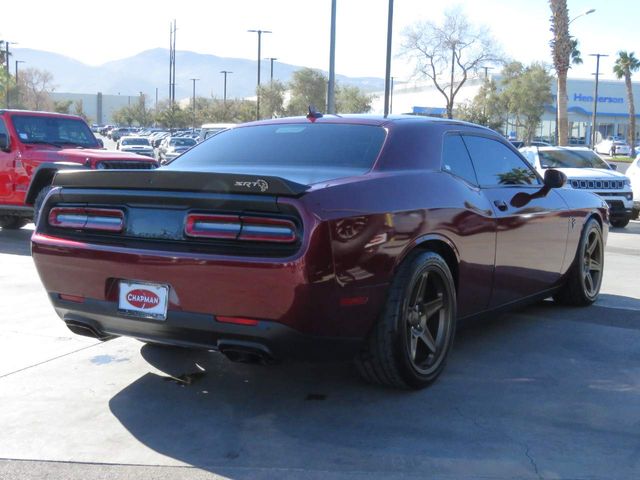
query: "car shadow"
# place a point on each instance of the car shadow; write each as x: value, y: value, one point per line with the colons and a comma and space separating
x: 505, y: 386
x: 16, y: 242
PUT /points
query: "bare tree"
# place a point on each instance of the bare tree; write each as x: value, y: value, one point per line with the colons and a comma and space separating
x: 448, y: 53
x: 35, y: 88
x: 561, y: 49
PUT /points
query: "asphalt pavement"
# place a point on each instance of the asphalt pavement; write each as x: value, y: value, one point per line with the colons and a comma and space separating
x: 546, y: 392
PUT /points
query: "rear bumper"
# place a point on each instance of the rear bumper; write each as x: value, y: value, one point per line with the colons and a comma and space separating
x: 291, y: 298
x: 196, y: 330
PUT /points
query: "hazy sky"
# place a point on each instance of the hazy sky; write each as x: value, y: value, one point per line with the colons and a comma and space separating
x: 97, y: 32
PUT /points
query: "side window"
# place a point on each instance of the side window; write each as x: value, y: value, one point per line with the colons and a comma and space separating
x: 3, y: 127
x: 456, y: 160
x: 496, y: 164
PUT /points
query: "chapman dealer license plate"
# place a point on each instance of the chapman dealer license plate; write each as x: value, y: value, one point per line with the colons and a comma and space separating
x: 141, y: 299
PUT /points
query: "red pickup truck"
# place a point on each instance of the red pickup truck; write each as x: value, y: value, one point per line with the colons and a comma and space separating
x: 36, y: 145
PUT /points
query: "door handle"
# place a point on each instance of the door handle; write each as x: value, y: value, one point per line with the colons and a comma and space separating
x: 501, y: 205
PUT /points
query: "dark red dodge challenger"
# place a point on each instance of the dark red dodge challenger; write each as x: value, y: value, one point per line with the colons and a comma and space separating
x: 330, y: 236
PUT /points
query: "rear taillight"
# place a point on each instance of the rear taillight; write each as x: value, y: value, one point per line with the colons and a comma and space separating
x: 240, y: 227
x: 213, y: 226
x: 80, y: 218
x: 259, y: 229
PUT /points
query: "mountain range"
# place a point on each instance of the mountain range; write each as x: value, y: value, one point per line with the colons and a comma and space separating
x: 149, y: 70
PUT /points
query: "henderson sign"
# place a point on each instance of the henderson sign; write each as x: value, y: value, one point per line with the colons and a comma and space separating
x: 579, y: 97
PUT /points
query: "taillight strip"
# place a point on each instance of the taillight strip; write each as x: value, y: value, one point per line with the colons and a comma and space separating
x: 259, y: 229
x: 240, y: 227
x: 80, y: 218
x: 212, y: 226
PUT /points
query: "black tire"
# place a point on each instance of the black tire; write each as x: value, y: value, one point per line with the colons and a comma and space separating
x: 635, y: 213
x: 11, y: 222
x: 37, y: 205
x: 582, y: 285
x: 409, y: 345
x: 620, y: 222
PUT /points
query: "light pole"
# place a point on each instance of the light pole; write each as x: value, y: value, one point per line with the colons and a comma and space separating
x: 594, y: 115
x: 271, y: 59
x: 6, y: 53
x: 391, y: 97
x: 224, y: 97
x: 331, y: 87
x: 387, y: 77
x: 194, y: 80
x: 259, y: 32
x: 17, y: 85
x: 6, y: 58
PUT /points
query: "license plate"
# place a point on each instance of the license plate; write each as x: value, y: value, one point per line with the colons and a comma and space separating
x: 148, y: 300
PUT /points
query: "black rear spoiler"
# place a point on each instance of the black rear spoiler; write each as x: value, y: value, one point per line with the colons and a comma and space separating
x: 179, y: 181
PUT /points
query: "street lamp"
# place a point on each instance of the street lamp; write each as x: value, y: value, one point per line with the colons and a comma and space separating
x: 194, y: 80
x: 387, y: 77
x: 391, y: 96
x: 6, y: 53
x: 588, y: 12
x: 6, y: 58
x: 17, y: 85
x: 594, y: 114
x: 225, y: 73
x: 271, y: 59
x: 259, y: 32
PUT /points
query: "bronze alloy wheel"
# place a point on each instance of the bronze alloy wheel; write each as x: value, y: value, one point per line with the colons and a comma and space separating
x: 592, y: 263
x: 428, y: 324
x: 582, y: 282
x: 408, y: 346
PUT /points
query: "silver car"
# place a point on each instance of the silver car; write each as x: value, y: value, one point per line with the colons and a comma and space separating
x: 171, y: 147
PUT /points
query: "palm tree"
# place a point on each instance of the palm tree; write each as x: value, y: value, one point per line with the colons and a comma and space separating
x: 576, y: 54
x: 561, y: 48
x: 625, y: 65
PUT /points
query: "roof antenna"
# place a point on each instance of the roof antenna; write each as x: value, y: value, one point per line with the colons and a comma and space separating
x: 313, y: 113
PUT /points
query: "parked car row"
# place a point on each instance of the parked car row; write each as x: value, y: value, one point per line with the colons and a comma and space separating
x: 164, y: 145
x: 611, y: 146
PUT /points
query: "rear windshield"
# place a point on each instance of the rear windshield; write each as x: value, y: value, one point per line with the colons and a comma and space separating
x: 294, y: 145
x: 182, y: 142
x: 571, y: 159
x: 53, y: 130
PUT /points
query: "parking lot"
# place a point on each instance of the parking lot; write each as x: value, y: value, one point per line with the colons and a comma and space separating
x: 546, y: 392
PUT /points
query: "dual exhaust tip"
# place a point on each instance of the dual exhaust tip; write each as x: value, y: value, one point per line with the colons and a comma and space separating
x: 236, y: 351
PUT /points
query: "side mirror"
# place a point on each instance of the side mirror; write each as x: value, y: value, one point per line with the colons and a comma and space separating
x: 4, y: 142
x: 100, y: 142
x: 613, y: 166
x: 554, y: 178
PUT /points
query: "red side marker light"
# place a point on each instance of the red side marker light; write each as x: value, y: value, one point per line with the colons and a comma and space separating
x: 71, y: 298
x: 237, y: 320
x: 353, y: 301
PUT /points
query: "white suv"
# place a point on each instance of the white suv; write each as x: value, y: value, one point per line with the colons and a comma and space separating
x: 587, y: 171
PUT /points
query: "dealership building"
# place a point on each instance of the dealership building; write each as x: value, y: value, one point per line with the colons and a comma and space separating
x: 422, y: 98
x: 97, y: 106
